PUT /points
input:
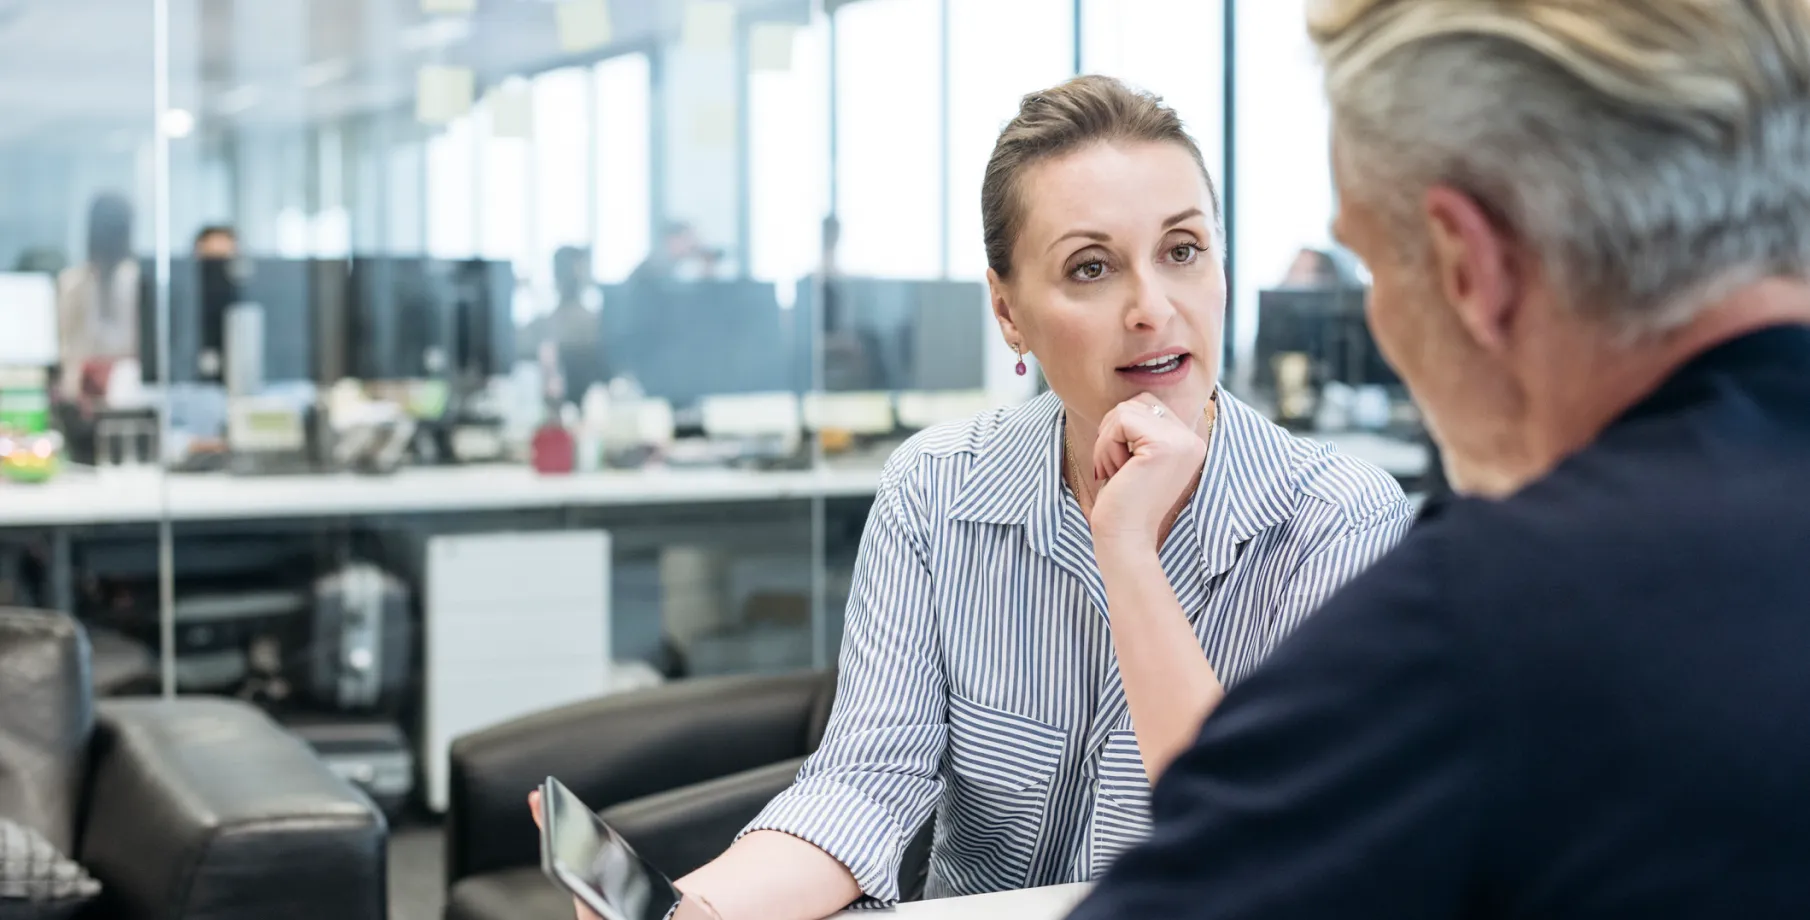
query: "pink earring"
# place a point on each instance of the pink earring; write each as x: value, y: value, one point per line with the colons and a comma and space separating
x: 1019, y: 350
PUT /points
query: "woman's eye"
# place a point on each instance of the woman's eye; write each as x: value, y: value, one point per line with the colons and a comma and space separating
x: 1184, y: 253
x: 1089, y: 271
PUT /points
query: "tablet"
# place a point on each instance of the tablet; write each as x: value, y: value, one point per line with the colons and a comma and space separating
x: 588, y: 858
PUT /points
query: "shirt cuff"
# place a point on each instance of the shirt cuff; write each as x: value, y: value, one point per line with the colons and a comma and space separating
x: 844, y: 822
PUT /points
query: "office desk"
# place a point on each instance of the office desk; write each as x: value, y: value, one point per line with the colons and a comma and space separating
x: 79, y: 498
x: 82, y: 498
x: 1052, y: 903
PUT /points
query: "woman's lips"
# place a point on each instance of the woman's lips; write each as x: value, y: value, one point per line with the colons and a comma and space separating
x: 1172, y: 369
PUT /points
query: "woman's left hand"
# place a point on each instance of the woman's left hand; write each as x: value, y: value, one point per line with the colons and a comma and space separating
x: 1147, y: 459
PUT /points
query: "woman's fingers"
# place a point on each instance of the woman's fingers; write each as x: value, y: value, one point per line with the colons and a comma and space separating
x: 578, y: 908
x: 1113, y: 448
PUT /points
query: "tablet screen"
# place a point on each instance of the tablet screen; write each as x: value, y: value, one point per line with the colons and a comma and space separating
x: 588, y: 858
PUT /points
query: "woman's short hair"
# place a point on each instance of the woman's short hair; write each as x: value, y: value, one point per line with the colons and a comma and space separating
x: 1053, y: 122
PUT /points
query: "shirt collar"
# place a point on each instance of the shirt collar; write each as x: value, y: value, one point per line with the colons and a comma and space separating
x: 1247, y: 486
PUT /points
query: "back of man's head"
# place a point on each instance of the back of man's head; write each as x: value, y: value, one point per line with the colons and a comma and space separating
x: 1654, y: 154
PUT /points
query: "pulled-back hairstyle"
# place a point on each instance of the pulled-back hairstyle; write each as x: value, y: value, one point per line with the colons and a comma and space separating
x: 1057, y: 121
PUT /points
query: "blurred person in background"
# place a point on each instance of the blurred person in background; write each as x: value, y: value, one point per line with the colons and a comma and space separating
x: 675, y: 256
x: 217, y: 242
x: 1050, y: 598
x: 575, y: 328
x: 97, y: 303
x: 1579, y: 689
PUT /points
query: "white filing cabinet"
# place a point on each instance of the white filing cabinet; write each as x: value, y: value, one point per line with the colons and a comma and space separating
x: 516, y: 623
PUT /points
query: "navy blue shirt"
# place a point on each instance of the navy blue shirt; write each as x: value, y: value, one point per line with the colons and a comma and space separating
x: 1591, y: 699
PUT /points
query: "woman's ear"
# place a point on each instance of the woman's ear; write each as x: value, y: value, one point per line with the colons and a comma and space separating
x: 999, y: 295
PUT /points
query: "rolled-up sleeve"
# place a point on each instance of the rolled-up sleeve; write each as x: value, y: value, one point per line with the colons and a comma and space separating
x: 1342, y: 558
x: 875, y: 780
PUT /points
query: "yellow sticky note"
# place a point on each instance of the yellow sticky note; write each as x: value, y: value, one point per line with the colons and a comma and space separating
x: 443, y: 93
x: 448, y: 6
x: 709, y: 26
x: 770, y: 46
x: 584, y: 25
x: 512, y: 110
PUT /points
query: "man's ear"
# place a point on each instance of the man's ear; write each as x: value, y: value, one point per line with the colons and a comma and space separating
x: 1474, y: 264
x: 1000, y: 297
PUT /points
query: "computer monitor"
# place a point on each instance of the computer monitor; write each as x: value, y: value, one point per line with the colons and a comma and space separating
x: 412, y: 317
x: 483, y: 321
x: 893, y: 334
x: 28, y: 314
x: 1326, y: 324
x: 685, y: 340
x: 200, y: 293
x: 203, y: 291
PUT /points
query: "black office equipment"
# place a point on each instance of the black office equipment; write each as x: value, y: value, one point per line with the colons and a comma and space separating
x: 410, y: 317
x: 890, y: 335
x: 396, y: 327
x: 483, y: 324
x: 361, y: 645
x: 203, y: 292
x: 1327, y: 325
x: 685, y: 340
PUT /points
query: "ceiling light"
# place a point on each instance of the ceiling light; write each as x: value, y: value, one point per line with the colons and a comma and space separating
x: 178, y: 123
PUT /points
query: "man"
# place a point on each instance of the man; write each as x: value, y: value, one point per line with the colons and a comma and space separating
x: 217, y: 242
x: 679, y: 246
x: 1583, y: 689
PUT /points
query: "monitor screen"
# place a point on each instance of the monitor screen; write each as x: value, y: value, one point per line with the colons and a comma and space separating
x: 28, y: 313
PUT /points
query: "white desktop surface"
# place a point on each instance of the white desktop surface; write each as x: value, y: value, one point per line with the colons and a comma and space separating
x: 80, y: 497
x: 83, y: 497
x: 1051, y: 903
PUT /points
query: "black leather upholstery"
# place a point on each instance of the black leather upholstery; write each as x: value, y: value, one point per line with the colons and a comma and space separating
x: 508, y: 894
x: 615, y: 750
x: 678, y: 771
x: 682, y: 829
x: 46, y: 715
x: 212, y: 794
x: 192, y: 808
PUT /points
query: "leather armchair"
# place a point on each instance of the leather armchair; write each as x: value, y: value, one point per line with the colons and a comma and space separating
x: 191, y: 808
x: 677, y: 770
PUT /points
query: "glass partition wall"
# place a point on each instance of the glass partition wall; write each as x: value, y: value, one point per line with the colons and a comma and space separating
x: 492, y: 354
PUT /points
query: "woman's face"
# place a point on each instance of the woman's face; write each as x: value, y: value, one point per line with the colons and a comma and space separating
x: 1115, y: 287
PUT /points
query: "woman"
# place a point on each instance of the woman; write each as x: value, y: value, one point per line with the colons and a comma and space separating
x: 1050, y: 598
x: 97, y: 303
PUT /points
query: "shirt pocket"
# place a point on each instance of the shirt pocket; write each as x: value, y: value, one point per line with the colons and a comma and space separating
x: 1121, y: 803
x: 1000, y: 769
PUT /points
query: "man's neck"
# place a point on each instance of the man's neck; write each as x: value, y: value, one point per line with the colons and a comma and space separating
x: 1608, y: 377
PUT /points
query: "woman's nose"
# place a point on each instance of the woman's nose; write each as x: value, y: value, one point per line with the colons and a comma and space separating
x: 1150, y: 307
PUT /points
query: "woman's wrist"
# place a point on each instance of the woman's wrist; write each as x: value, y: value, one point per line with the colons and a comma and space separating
x: 1124, y: 550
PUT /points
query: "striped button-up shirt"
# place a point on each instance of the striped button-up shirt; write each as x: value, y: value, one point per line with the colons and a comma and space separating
x: 978, y: 679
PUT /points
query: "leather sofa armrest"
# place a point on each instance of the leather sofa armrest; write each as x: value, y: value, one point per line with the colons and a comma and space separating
x: 616, y: 749
x: 206, y: 808
x: 682, y: 829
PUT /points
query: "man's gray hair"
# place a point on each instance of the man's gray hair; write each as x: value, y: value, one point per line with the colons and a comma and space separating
x: 1652, y: 153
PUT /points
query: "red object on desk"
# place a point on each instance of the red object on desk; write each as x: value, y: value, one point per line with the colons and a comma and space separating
x: 554, y: 450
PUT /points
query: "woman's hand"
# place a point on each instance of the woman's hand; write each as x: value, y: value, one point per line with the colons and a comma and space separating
x: 583, y: 912
x: 1147, y: 459
x: 689, y: 909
